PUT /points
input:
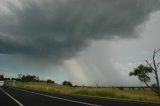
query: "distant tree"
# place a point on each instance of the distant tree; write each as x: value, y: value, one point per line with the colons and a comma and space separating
x: 144, y: 73
x: 121, y: 88
x: 28, y: 78
x: 1, y: 77
x: 13, y: 78
x: 50, y: 81
x: 67, y: 83
x: 7, y: 79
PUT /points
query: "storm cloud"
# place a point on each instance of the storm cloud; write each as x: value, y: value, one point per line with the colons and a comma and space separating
x: 58, y: 29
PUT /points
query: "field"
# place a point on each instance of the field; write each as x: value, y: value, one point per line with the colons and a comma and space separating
x: 108, y: 93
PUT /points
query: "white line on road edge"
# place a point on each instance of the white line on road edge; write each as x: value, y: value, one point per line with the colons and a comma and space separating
x: 20, y: 104
x: 88, y: 104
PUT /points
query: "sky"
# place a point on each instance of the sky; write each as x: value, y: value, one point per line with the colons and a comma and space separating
x: 82, y: 41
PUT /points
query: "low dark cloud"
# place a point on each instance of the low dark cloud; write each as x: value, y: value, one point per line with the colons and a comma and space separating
x: 58, y: 29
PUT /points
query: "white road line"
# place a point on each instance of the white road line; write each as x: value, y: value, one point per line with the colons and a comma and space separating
x: 20, y: 104
x: 74, y: 101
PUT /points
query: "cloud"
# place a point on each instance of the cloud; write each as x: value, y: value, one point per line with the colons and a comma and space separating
x: 58, y: 29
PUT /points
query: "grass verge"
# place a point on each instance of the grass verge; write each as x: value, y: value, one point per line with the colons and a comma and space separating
x: 106, y: 93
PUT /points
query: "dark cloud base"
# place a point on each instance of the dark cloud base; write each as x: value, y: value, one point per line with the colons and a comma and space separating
x: 58, y: 29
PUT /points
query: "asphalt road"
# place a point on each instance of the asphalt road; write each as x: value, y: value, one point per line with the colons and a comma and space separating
x: 23, y: 97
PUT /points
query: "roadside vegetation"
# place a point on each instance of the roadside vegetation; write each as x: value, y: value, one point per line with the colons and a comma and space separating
x: 133, y: 94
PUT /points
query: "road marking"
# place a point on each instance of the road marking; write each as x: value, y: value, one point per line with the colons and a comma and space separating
x: 68, y: 100
x: 20, y: 104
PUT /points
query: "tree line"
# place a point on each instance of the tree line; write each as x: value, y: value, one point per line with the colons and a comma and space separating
x: 33, y: 78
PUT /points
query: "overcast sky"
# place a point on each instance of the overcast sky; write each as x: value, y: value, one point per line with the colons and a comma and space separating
x: 83, y: 41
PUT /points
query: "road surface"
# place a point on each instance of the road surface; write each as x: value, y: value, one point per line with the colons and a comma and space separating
x: 23, y: 97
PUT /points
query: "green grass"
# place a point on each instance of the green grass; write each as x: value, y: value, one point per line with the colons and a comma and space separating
x: 126, y: 94
x: 135, y: 95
